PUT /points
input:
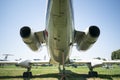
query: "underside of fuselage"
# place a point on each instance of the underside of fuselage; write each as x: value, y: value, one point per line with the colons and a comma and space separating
x: 60, y: 34
x: 60, y: 30
x: 59, y: 37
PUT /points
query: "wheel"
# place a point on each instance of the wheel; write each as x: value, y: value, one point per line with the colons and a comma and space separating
x: 93, y: 74
x: 27, y: 74
x: 63, y: 77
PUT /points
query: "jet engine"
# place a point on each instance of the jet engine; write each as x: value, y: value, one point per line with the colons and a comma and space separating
x: 29, y: 38
x: 88, y: 38
x: 24, y: 63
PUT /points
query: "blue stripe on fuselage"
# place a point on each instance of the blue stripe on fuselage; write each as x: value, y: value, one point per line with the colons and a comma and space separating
x: 48, y: 11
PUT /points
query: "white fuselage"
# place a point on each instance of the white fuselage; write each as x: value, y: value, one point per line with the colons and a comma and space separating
x: 60, y: 28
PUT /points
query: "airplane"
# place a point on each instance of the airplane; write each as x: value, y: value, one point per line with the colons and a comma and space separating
x: 6, y: 57
x: 59, y: 36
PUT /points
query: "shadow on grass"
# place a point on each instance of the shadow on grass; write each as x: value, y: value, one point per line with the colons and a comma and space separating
x: 110, y: 77
x: 69, y: 75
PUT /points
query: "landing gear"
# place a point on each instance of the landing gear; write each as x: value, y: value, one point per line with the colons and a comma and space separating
x: 27, y: 74
x: 92, y: 73
x: 62, y: 73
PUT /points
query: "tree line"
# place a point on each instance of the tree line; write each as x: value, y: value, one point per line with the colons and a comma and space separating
x: 115, y: 55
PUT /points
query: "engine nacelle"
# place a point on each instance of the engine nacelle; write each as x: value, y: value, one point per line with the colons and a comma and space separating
x: 90, y: 37
x: 29, y: 38
x: 24, y: 63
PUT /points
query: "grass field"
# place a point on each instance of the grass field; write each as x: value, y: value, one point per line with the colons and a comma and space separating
x: 52, y: 73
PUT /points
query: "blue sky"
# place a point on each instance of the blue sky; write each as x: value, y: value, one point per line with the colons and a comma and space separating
x: 17, y: 13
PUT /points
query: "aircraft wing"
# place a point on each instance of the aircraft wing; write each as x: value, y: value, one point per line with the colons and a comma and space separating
x: 80, y: 61
x: 39, y: 62
x: 95, y: 63
x: 112, y: 62
x: 25, y: 63
x: 8, y: 62
x: 90, y: 63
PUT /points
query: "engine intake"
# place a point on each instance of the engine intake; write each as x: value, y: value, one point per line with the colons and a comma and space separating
x: 25, y: 32
x: 30, y: 38
x: 94, y: 31
x: 86, y: 40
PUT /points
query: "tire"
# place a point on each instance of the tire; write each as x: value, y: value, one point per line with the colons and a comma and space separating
x: 93, y: 74
x: 27, y: 74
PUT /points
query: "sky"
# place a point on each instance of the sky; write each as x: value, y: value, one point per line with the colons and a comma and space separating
x: 17, y: 13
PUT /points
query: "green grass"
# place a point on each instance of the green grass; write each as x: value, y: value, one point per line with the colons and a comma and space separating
x: 52, y: 73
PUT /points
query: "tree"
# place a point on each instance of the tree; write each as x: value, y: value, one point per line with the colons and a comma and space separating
x: 115, y: 55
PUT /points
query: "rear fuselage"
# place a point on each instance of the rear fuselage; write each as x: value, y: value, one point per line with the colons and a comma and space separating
x: 60, y: 28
